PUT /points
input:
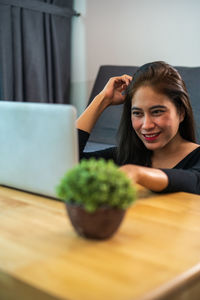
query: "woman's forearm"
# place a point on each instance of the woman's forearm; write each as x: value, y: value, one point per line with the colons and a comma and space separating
x: 152, y: 179
x: 90, y: 116
x: 112, y: 94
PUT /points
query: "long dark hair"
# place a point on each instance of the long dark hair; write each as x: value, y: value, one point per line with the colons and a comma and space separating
x: 166, y: 80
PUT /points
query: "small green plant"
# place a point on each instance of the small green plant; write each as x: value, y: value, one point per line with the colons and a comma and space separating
x: 96, y: 183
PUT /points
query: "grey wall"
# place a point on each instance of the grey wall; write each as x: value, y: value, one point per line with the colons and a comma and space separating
x: 131, y: 32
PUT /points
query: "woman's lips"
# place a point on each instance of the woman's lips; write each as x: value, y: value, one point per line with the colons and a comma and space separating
x: 151, y: 137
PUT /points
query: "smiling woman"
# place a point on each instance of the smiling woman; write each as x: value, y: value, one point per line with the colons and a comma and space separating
x: 157, y: 146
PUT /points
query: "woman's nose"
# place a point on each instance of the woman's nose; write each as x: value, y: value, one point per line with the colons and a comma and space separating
x: 148, y: 123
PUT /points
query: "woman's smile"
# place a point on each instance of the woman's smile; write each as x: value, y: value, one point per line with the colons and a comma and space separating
x: 150, y: 137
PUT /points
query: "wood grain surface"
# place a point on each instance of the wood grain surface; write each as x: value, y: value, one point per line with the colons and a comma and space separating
x: 154, y: 255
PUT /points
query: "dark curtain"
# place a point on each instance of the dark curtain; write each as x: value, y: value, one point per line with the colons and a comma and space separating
x: 35, y: 50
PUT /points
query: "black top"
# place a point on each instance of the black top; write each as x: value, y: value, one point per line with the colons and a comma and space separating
x: 184, y: 177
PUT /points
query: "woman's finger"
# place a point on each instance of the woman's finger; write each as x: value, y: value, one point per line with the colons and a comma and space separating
x: 122, y: 81
x: 127, y: 78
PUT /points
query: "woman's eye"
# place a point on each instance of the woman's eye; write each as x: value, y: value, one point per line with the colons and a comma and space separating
x: 157, y: 112
x: 137, y: 113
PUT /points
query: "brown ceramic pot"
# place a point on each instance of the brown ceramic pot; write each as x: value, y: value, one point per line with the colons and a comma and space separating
x: 101, y: 224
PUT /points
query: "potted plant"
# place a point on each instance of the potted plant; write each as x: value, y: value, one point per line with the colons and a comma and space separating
x: 97, y: 195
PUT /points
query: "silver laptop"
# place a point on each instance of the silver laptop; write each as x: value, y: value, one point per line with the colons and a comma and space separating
x: 38, y: 144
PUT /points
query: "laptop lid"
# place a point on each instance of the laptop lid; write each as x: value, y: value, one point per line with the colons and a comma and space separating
x: 38, y: 144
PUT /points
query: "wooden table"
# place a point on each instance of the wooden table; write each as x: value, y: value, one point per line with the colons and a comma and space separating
x: 154, y: 255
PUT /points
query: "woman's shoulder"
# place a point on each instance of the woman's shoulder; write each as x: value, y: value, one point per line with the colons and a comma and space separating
x: 195, y: 151
x: 189, y: 148
x: 192, y: 158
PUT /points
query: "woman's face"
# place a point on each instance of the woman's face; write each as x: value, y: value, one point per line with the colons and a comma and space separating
x: 154, y: 118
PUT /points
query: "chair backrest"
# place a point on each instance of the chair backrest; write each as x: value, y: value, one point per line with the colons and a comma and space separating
x: 106, y: 127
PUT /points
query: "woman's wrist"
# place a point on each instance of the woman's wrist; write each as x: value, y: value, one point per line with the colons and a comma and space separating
x: 103, y: 100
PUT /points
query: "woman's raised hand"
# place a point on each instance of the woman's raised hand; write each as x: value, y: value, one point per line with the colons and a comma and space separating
x: 112, y: 94
x: 113, y: 91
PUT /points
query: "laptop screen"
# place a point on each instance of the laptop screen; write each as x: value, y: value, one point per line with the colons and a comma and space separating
x: 38, y: 144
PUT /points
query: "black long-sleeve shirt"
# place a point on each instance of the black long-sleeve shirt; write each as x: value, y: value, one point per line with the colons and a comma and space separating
x: 184, y: 177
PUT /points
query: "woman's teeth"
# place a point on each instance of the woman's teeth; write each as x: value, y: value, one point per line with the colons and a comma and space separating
x: 150, y: 135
